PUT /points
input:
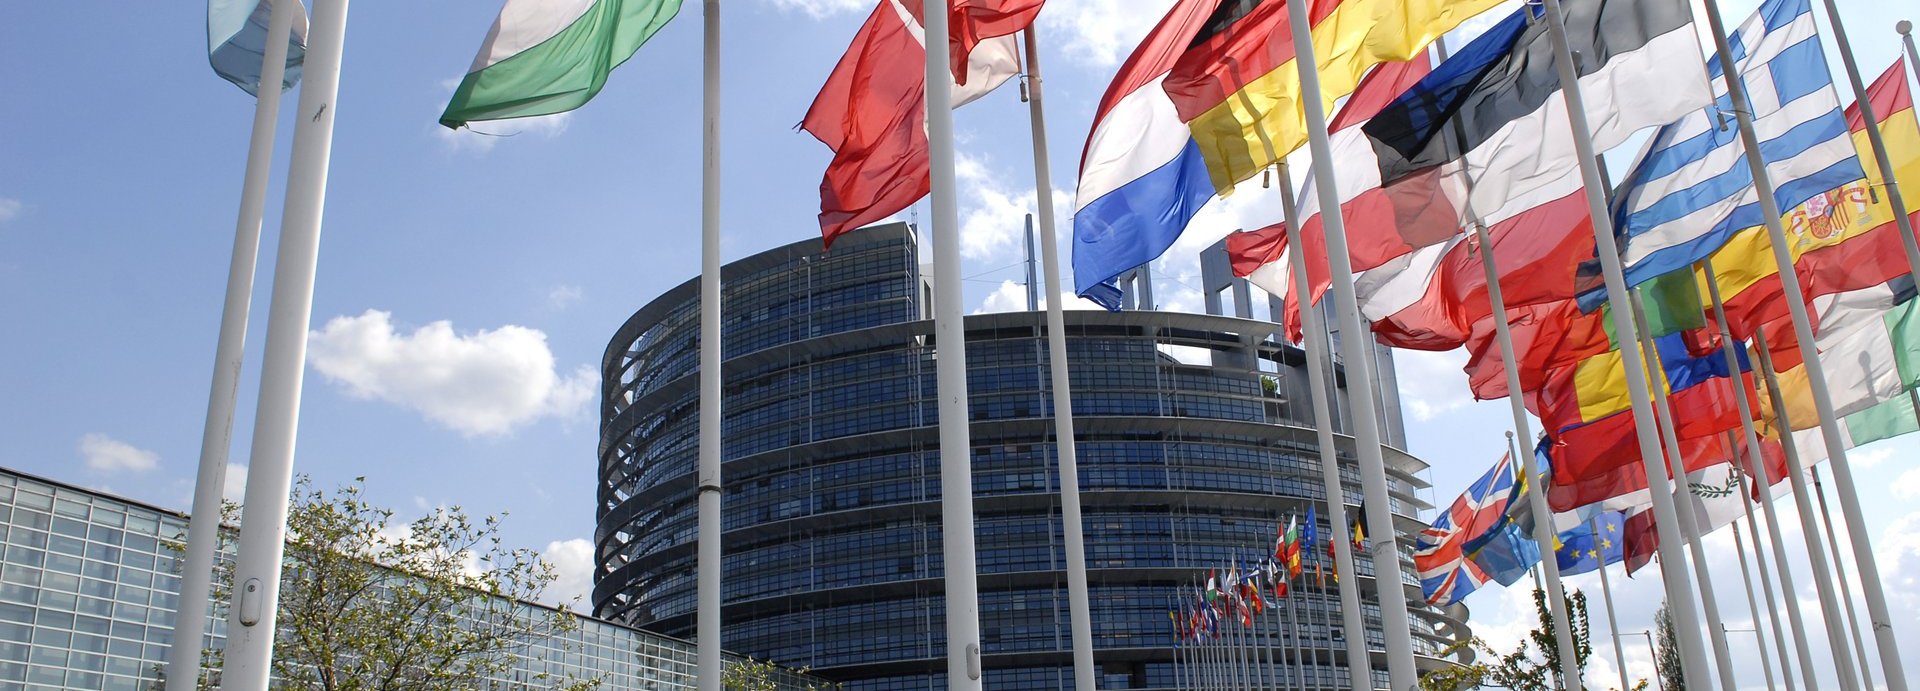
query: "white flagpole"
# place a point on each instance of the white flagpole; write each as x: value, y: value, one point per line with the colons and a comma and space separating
x: 1716, y: 629
x: 1809, y: 526
x: 1880, y: 158
x: 1753, y: 606
x: 1763, y: 475
x: 1314, y: 341
x: 707, y: 567
x: 1849, y: 498
x: 1840, y: 574
x: 1673, y: 569
x: 263, y: 525
x: 1905, y: 29
x: 216, y: 437
x: 1544, y: 533
x: 1766, y: 586
x: 1613, y: 623
x: 950, y: 371
x: 1079, y: 611
x: 1356, y: 345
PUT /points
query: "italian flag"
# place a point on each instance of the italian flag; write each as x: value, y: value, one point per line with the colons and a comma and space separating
x: 551, y: 56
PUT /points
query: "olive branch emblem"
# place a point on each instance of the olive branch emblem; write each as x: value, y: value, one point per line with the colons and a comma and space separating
x: 1712, y: 491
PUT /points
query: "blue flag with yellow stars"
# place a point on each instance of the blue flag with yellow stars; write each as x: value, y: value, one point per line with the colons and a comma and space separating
x: 1595, y: 543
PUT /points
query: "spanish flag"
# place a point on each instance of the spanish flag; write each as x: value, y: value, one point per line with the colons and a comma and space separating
x: 1238, y: 89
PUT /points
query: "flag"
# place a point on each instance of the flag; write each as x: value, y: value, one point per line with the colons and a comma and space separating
x: 1359, y: 531
x: 1237, y: 86
x: 872, y: 110
x: 551, y: 56
x: 237, y: 41
x: 1487, y: 133
x: 1691, y: 189
x: 1306, y: 543
x: 1447, y: 553
x: 1869, y: 343
x: 1593, y: 544
x: 1843, y: 240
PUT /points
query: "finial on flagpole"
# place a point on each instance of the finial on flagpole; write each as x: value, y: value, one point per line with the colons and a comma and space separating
x: 1903, y: 26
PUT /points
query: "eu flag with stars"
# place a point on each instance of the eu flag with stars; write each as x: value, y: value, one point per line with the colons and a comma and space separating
x: 1593, y: 544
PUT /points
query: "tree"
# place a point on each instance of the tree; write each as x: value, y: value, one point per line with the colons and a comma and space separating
x: 365, y: 605
x: 1666, y: 654
x: 1524, y: 668
x: 757, y: 675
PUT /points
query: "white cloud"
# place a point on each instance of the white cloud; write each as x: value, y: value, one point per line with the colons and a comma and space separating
x: 820, y: 8
x: 9, y: 208
x: 104, y: 454
x: 479, y: 137
x: 1099, y: 32
x: 1431, y: 384
x: 564, y: 296
x: 235, y: 487
x: 572, y: 562
x: 994, y: 226
x: 1870, y: 457
x: 1010, y: 296
x: 1907, y: 486
x: 488, y: 382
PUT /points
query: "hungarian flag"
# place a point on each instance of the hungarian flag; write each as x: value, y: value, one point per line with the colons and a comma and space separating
x: 551, y: 56
x: 872, y: 110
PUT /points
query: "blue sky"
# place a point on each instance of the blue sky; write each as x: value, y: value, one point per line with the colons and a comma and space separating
x: 508, y: 261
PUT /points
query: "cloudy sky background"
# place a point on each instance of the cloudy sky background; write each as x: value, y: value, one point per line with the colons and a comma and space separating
x: 468, y: 283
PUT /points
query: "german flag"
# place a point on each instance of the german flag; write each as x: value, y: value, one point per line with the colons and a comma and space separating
x: 1237, y: 88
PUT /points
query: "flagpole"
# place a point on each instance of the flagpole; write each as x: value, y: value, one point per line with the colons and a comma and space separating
x: 1809, y: 525
x: 216, y: 437
x: 1766, y: 585
x: 1905, y: 29
x: 1313, y: 342
x: 1762, y: 473
x: 1722, y: 658
x: 1849, y: 498
x: 1606, y: 593
x: 252, y: 615
x: 1673, y: 570
x: 1840, y: 575
x: 707, y: 625
x: 950, y: 373
x: 1355, y: 351
x: 1079, y: 612
x: 1746, y: 579
x: 1880, y: 157
x: 1543, y: 529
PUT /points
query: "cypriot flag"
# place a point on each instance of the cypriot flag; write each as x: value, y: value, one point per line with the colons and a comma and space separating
x: 551, y: 56
x: 237, y: 41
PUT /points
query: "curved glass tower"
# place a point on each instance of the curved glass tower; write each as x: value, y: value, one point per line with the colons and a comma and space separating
x: 1195, y: 442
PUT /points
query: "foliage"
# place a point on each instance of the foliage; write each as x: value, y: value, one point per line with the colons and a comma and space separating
x: 366, y: 605
x: 757, y: 675
x: 1666, y: 654
x: 1533, y: 666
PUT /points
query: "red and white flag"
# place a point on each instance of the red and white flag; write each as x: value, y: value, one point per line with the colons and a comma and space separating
x: 872, y: 110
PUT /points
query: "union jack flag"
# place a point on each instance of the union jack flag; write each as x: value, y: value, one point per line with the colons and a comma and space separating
x: 1444, y: 552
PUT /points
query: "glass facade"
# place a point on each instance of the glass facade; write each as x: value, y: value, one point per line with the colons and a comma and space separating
x: 1194, y: 437
x: 89, y: 590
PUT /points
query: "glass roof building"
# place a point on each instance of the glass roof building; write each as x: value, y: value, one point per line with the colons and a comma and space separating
x: 89, y: 590
x: 1195, y: 441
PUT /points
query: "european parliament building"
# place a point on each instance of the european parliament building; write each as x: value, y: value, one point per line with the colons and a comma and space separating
x: 89, y: 590
x: 1195, y: 439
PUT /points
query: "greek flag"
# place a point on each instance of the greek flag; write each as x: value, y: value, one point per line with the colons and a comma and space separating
x: 1691, y: 189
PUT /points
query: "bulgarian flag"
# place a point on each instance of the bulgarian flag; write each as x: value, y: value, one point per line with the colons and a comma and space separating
x: 551, y: 56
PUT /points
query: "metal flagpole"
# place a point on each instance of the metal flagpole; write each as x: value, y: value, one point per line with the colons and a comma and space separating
x: 263, y: 526
x: 1356, y: 348
x: 1763, y: 474
x: 1673, y: 568
x: 1766, y: 586
x: 1809, y: 527
x: 707, y: 568
x: 1613, y: 623
x: 1314, y: 343
x: 950, y: 372
x: 1849, y: 498
x: 216, y: 437
x: 1293, y: 621
x: 1543, y: 528
x: 1079, y: 612
x: 1880, y: 157
x: 1746, y: 579
x: 1840, y: 574
x: 1716, y: 629
x: 1905, y: 28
